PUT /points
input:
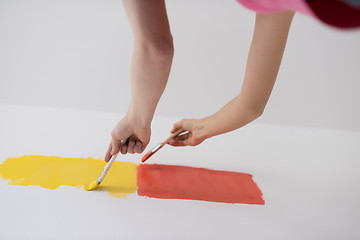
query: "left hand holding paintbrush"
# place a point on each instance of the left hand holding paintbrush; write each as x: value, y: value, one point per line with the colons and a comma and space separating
x: 195, y: 133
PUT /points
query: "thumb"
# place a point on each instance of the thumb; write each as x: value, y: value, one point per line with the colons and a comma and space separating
x: 185, y: 124
x: 115, y: 146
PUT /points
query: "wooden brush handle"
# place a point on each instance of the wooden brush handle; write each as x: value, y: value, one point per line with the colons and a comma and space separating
x: 160, y: 145
x: 106, y: 168
x: 172, y: 135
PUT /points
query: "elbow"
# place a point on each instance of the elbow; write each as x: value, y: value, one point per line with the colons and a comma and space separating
x: 163, y: 53
x: 158, y: 48
x: 257, y: 112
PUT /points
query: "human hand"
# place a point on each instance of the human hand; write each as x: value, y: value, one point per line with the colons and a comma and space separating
x: 128, y: 137
x: 196, y: 132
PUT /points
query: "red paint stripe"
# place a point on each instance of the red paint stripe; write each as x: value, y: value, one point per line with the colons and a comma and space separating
x: 180, y: 182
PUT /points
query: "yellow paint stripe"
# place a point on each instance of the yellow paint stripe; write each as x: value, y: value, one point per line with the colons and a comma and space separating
x: 52, y: 172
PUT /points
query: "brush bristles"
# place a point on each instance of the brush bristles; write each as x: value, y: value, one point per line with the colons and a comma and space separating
x: 92, y: 185
x: 147, y: 156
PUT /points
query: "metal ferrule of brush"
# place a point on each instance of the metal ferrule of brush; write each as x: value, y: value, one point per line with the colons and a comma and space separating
x: 101, y: 177
x: 99, y: 180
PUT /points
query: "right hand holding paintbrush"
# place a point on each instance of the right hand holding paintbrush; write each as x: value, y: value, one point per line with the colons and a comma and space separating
x: 136, y: 136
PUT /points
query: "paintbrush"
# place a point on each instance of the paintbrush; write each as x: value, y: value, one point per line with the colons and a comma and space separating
x: 160, y: 145
x: 94, y: 184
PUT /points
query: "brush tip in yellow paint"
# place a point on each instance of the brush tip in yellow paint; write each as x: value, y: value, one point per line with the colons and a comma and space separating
x: 92, y: 185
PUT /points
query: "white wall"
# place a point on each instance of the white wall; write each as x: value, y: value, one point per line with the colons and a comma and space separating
x: 76, y: 54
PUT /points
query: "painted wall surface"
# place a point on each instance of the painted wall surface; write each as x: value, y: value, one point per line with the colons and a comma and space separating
x: 76, y: 54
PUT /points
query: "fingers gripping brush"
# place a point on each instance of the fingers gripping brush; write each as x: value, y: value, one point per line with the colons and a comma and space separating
x: 94, y: 184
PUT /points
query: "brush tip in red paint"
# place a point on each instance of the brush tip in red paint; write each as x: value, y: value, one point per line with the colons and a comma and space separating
x: 146, y: 156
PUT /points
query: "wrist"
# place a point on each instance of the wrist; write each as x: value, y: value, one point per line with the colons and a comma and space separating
x: 204, y: 128
x: 137, y: 119
x: 212, y: 126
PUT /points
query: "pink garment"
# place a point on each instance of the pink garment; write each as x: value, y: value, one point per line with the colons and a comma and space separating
x: 337, y: 13
x: 270, y: 6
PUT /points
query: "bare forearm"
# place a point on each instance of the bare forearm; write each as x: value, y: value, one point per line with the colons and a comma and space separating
x: 152, y: 56
x: 150, y: 68
x: 262, y: 67
x: 233, y: 115
x: 149, y: 75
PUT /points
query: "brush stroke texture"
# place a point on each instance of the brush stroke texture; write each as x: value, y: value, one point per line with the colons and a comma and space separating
x: 181, y: 182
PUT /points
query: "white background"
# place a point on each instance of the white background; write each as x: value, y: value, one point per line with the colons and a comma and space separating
x: 76, y: 54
